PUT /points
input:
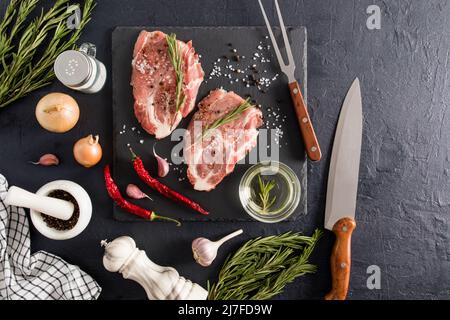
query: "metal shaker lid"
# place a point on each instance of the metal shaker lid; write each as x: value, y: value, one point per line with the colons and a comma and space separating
x: 72, y: 68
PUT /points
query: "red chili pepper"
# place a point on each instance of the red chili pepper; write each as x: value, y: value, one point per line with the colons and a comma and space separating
x: 138, y: 166
x: 115, y: 194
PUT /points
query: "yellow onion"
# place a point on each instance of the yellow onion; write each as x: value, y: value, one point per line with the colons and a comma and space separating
x: 57, y: 112
x: 87, y: 151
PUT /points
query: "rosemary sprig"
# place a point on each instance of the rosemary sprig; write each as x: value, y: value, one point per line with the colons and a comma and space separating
x: 265, y: 187
x: 227, y: 118
x: 262, y: 267
x: 27, y: 53
x: 177, y: 62
x: 19, y: 10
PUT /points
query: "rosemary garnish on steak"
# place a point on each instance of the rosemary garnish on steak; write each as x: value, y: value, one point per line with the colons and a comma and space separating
x: 229, y: 117
x: 177, y: 62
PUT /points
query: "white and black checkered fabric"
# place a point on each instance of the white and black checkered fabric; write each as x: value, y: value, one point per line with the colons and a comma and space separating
x: 38, y: 276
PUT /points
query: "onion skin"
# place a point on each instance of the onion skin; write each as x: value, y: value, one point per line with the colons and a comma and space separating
x: 57, y: 112
x: 87, y: 151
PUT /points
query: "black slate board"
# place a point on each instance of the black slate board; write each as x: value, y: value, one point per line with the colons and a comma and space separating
x: 211, y: 43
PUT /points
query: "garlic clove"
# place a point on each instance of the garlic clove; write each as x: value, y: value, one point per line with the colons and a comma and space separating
x: 163, y: 165
x: 134, y: 192
x: 47, y: 160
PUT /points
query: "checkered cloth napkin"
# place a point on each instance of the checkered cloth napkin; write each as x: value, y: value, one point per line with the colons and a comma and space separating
x: 38, y: 276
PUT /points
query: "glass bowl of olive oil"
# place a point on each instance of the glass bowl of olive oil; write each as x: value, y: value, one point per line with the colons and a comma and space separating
x: 269, y: 191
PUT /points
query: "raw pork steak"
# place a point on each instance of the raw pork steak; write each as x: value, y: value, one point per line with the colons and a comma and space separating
x: 211, y: 157
x: 154, y: 83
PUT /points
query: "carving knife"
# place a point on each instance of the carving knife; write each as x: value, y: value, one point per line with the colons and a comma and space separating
x: 342, y: 189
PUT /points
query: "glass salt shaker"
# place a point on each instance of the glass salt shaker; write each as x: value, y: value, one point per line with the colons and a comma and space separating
x: 80, y: 70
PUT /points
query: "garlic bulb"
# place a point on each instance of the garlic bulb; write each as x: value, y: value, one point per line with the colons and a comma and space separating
x: 205, y: 250
x: 160, y: 283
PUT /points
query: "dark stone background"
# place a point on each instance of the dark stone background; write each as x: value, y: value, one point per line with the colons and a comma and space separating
x: 404, y: 199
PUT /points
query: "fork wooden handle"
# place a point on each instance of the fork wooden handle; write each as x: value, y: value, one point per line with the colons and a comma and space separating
x: 306, y: 128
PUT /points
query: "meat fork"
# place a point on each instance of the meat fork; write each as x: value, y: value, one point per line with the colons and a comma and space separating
x: 306, y: 128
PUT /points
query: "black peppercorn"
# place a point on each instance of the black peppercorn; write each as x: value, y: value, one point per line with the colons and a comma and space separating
x: 60, y: 224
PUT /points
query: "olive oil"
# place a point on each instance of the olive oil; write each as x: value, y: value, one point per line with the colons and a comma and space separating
x: 283, y: 197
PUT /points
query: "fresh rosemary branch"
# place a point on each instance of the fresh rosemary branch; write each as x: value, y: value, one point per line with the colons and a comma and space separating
x: 262, y: 267
x: 229, y: 117
x: 265, y: 187
x: 19, y: 10
x: 177, y: 62
x: 27, y: 53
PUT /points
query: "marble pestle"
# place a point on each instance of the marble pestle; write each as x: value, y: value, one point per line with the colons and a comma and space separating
x: 56, y: 208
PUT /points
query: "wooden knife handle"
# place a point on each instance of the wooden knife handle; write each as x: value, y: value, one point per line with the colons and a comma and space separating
x: 306, y: 128
x: 341, y: 259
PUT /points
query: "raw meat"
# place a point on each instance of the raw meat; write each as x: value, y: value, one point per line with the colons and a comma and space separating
x: 212, y: 157
x: 154, y: 83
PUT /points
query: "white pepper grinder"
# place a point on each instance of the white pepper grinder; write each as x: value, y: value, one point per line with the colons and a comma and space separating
x: 80, y: 70
x: 160, y: 283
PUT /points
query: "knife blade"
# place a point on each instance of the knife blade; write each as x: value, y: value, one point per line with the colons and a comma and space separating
x: 342, y: 189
